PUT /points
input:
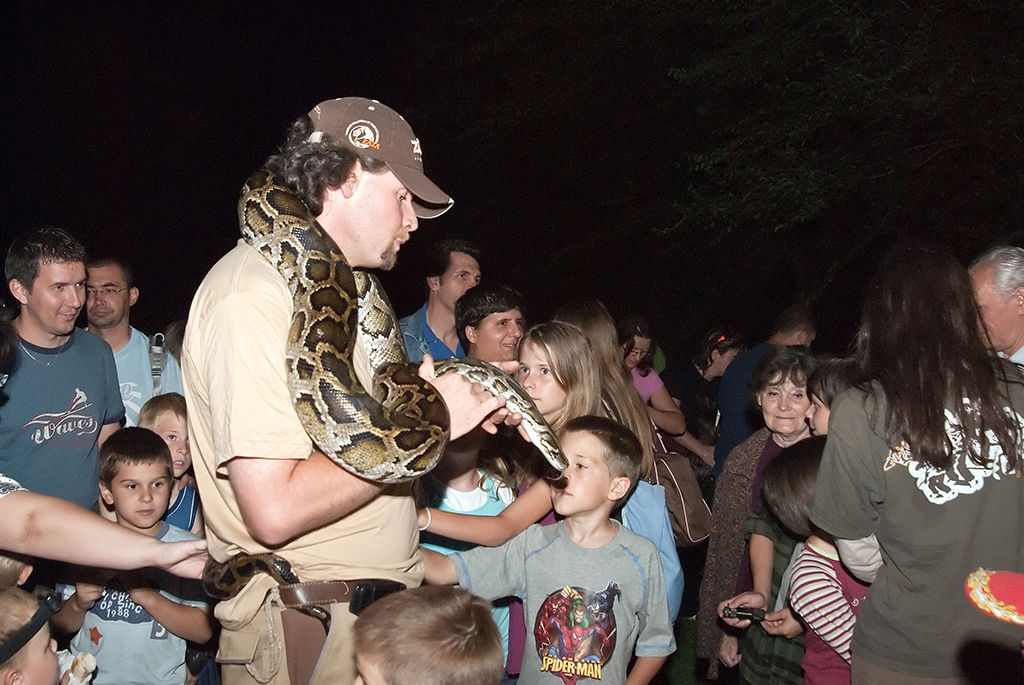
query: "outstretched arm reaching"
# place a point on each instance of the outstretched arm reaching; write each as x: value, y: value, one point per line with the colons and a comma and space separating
x: 496, y: 530
x: 53, y: 528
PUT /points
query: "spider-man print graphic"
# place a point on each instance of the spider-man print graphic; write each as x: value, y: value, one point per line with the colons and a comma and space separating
x: 575, y: 632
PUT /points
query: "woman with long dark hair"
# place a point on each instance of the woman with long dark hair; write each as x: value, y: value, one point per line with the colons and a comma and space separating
x: 922, y: 465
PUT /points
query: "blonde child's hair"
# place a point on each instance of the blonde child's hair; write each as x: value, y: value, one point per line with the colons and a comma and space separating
x: 568, y: 355
x: 571, y: 360
x: 159, y: 405
x: 11, y: 566
x: 16, y: 609
x: 431, y: 635
x: 619, y: 398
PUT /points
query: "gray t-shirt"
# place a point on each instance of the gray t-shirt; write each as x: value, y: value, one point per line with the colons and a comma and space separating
x: 934, y: 528
x: 585, y: 609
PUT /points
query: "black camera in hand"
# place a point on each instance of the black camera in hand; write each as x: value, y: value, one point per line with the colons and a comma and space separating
x: 749, y: 613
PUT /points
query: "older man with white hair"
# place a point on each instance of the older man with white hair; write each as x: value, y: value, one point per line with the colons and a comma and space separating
x: 998, y: 277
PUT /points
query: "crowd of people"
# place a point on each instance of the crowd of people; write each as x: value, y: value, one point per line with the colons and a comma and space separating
x: 847, y: 500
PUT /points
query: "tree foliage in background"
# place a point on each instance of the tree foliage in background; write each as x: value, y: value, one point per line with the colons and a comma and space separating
x: 859, y: 120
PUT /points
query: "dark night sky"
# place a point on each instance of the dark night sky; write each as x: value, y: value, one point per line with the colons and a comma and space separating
x: 133, y: 127
x: 134, y: 124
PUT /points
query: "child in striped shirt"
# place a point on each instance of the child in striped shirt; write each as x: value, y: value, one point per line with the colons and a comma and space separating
x: 821, y: 592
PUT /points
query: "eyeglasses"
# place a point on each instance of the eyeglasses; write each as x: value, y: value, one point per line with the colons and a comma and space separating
x: 106, y: 292
x: 49, y: 604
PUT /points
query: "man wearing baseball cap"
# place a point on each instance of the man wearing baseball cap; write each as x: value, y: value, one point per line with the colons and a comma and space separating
x: 265, y: 487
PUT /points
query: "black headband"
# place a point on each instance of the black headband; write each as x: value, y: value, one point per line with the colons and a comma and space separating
x: 49, y: 604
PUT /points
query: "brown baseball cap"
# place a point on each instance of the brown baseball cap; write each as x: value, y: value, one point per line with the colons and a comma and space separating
x: 376, y: 130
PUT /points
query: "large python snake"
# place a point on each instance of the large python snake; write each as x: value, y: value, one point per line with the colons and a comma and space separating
x: 398, y: 431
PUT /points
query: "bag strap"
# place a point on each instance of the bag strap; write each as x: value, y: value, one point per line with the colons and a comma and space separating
x: 157, y: 359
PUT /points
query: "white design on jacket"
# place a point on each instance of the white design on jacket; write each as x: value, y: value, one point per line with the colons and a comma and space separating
x: 963, y: 477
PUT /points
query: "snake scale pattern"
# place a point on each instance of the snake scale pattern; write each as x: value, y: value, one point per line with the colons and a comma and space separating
x: 397, y: 431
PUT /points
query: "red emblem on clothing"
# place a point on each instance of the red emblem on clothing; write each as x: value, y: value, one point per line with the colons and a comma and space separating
x: 95, y: 635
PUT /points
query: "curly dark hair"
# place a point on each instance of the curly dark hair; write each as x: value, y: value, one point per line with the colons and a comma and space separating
x: 479, y: 303
x: 785, y: 363
x: 311, y: 168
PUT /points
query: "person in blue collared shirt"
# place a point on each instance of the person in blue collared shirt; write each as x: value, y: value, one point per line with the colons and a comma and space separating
x: 453, y: 268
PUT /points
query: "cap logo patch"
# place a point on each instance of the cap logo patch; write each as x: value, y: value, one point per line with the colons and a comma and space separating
x: 416, y: 146
x: 363, y: 134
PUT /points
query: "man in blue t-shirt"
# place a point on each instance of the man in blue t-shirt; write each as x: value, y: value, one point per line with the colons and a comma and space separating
x: 63, y: 395
x: 110, y: 295
x: 453, y: 267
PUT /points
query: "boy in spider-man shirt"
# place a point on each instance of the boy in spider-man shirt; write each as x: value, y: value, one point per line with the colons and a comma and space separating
x: 592, y: 589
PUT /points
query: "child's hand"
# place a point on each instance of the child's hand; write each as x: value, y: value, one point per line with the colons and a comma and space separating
x: 782, y: 623
x: 754, y: 600
x: 729, y: 651
x: 86, y: 595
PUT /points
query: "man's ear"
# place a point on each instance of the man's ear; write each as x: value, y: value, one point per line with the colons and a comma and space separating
x: 19, y: 291
x: 434, y: 283
x: 25, y: 573
x: 133, y: 296
x: 471, y: 334
x: 619, y: 489
x: 1018, y: 299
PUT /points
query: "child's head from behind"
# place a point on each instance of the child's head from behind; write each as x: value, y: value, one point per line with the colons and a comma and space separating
x: 28, y: 656
x: 604, y: 463
x: 430, y: 635
x: 166, y: 416
x: 135, y: 478
x: 557, y: 369
x: 14, y: 569
x: 789, y: 480
x: 828, y: 381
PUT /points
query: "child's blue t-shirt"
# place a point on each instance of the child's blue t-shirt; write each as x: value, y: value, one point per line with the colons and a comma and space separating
x: 130, y: 646
x: 182, y: 513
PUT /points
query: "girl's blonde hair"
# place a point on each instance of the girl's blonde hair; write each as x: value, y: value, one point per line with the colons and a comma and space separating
x: 571, y: 360
x: 159, y: 405
x: 619, y: 399
x: 568, y: 354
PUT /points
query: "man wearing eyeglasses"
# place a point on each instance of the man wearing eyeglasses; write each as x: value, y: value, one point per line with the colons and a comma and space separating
x: 110, y: 295
x: 63, y: 399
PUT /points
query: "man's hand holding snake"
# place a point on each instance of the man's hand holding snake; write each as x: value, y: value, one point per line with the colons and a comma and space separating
x: 469, y: 404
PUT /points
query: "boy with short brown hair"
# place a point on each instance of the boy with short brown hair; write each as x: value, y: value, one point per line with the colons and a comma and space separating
x: 136, y: 623
x: 430, y: 635
x: 591, y: 589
